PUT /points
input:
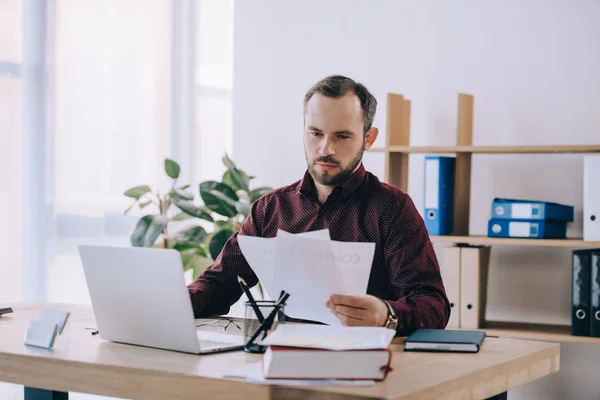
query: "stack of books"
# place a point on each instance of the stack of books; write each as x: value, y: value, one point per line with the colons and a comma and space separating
x: 513, y: 218
x: 313, y: 352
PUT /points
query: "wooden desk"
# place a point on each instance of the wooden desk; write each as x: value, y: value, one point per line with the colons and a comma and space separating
x: 82, y: 362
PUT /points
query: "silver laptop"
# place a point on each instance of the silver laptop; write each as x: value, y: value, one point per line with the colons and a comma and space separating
x: 139, y: 296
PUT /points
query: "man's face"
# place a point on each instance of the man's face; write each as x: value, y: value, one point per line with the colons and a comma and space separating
x: 334, y: 139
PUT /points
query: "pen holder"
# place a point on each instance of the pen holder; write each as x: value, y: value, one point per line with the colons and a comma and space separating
x: 252, y: 324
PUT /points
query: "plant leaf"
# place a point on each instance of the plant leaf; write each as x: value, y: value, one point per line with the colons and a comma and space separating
x: 139, y: 232
x: 188, y: 251
x: 137, y: 191
x: 218, y: 241
x: 201, y: 252
x: 216, y: 203
x: 228, y: 162
x: 172, y: 168
x: 182, y: 194
x: 148, y: 228
x: 192, y: 235
x: 185, y: 187
x: 185, y: 246
x: 236, y: 179
x: 193, y: 210
x: 199, y: 264
x: 145, y: 204
x: 226, y: 224
x: 223, y: 197
x: 182, y: 216
x: 255, y: 194
x: 157, y: 226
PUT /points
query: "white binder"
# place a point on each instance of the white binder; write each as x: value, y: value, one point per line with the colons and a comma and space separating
x: 451, y: 278
x: 474, y: 267
x: 591, y: 197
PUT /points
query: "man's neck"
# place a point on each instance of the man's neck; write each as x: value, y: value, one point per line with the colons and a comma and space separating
x: 323, y: 192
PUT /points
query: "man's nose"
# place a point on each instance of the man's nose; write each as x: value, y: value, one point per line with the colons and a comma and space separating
x: 327, y: 148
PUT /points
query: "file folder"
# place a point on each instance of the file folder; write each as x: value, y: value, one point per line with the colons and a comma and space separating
x: 591, y: 197
x: 527, y: 229
x: 451, y: 279
x: 531, y: 210
x: 595, y: 294
x: 581, y: 293
x: 439, y: 194
x: 474, y: 267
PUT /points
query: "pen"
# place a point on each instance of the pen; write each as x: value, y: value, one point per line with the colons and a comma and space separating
x: 5, y: 310
x: 246, y: 290
x: 269, y: 320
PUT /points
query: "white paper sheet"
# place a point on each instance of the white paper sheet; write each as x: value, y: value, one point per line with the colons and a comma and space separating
x: 252, y: 373
x: 310, y: 269
x: 330, y: 337
x: 260, y: 254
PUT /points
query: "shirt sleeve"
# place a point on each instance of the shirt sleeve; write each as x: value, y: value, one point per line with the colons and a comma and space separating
x: 421, y: 300
x: 217, y: 289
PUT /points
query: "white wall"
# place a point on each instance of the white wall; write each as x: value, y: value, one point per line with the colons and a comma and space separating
x: 533, y: 69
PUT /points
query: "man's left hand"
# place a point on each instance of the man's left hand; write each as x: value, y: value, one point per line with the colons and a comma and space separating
x: 358, y: 310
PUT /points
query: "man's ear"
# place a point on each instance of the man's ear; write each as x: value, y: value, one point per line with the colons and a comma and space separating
x: 370, y: 137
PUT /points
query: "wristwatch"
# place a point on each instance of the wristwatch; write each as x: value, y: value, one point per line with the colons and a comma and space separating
x: 391, y: 321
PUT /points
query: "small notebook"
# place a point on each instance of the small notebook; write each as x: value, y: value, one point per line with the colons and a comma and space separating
x: 464, y: 341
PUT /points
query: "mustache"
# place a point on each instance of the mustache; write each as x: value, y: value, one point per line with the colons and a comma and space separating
x: 327, y: 160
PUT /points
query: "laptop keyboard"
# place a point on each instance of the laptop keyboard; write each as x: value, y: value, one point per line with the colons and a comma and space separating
x: 212, y: 344
x: 213, y: 340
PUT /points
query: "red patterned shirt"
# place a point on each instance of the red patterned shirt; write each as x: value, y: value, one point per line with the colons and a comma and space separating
x: 405, y: 269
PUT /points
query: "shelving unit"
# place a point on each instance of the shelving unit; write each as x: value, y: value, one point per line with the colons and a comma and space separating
x: 397, y: 151
x: 550, y: 333
x: 485, y: 240
x: 490, y: 149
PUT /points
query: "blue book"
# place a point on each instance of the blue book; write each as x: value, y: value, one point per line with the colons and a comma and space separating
x: 507, y: 228
x: 531, y: 210
x: 445, y: 340
x: 439, y: 194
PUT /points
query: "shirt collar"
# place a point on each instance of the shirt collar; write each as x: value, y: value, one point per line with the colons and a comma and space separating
x: 355, y: 180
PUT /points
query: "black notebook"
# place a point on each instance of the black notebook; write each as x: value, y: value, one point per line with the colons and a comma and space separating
x: 444, y: 340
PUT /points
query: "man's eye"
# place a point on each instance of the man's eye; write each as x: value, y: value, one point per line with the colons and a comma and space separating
x: 316, y: 133
x: 344, y: 137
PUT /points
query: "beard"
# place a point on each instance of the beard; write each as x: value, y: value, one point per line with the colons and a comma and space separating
x: 329, y: 178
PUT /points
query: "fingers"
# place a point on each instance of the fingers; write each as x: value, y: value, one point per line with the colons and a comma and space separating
x: 351, y: 312
x: 350, y: 316
x: 349, y: 301
x: 348, y: 320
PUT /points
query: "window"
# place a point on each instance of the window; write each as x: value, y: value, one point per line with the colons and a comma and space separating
x: 10, y: 146
x: 214, y: 86
x: 130, y: 83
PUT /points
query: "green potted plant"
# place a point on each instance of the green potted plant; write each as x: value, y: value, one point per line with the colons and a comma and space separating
x: 214, y: 217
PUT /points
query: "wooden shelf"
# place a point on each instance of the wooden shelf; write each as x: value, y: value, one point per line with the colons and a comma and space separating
x: 485, y: 240
x: 548, y: 333
x: 491, y: 149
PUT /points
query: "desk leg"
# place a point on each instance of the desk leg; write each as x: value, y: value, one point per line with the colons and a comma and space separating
x: 501, y: 396
x: 43, y: 394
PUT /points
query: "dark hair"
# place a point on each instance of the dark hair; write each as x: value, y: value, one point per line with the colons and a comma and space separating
x: 336, y: 86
